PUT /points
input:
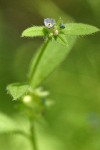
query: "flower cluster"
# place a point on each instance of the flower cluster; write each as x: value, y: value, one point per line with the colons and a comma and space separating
x: 54, y: 28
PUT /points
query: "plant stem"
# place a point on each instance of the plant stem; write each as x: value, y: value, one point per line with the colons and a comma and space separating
x: 33, y: 135
x: 37, y: 61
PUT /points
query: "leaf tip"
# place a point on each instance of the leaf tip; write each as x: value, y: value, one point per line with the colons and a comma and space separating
x: 23, y: 35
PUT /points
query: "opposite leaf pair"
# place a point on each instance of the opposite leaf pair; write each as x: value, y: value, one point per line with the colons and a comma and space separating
x: 58, y: 30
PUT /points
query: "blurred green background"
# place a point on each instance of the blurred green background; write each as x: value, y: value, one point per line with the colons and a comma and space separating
x: 73, y: 122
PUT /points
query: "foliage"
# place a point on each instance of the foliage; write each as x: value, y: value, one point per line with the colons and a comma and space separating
x: 74, y: 86
x: 47, y: 59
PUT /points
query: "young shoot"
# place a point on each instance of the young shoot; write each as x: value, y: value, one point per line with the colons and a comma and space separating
x: 59, y: 39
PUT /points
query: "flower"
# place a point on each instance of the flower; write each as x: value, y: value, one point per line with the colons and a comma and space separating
x: 49, y: 23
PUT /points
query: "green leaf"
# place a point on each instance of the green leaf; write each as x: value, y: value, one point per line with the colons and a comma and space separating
x: 34, y: 31
x: 48, y: 58
x: 62, y: 40
x: 17, y: 90
x: 79, y: 29
x: 7, y: 124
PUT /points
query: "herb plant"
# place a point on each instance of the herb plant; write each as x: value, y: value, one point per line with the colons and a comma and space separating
x: 58, y: 41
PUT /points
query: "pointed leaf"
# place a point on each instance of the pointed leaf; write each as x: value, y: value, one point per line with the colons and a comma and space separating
x: 45, y: 62
x: 79, y: 29
x: 34, y: 31
x: 7, y: 124
x: 17, y: 90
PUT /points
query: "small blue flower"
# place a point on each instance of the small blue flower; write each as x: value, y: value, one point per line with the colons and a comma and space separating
x: 62, y: 26
x: 49, y: 23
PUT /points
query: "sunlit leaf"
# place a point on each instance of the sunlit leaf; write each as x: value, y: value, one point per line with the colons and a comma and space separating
x: 17, y: 90
x: 79, y: 29
x: 34, y: 31
x: 7, y: 124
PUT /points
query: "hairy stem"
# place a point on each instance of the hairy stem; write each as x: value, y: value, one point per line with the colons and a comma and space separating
x: 37, y: 61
